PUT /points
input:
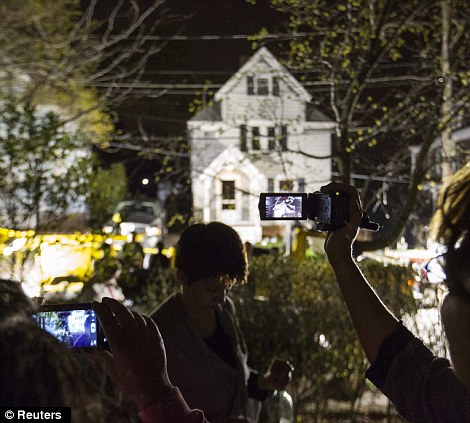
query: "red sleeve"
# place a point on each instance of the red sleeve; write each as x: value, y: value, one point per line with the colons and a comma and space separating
x: 171, y: 407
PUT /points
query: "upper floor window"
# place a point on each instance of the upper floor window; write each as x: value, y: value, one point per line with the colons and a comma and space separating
x: 271, y: 138
x: 262, y: 85
x: 277, y: 138
x: 256, y: 138
x: 243, y: 137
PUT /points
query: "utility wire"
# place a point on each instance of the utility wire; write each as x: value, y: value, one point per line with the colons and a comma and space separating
x: 384, y: 81
x: 147, y: 150
x: 215, y: 37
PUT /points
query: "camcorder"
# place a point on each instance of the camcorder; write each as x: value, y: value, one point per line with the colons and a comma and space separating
x: 329, y: 212
x: 76, y: 325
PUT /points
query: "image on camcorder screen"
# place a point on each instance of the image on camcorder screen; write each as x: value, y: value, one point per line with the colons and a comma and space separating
x: 287, y: 207
x: 75, y: 328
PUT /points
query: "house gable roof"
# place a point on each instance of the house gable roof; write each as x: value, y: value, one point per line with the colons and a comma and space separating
x: 213, y: 113
x: 263, y: 55
x: 231, y: 156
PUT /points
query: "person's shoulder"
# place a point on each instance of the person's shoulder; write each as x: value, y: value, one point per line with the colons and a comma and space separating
x: 166, y: 311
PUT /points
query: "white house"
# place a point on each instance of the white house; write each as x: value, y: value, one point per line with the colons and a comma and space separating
x: 13, y: 199
x: 261, y: 134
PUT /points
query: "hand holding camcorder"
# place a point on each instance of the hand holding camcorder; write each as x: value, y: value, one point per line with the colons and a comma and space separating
x: 328, y: 211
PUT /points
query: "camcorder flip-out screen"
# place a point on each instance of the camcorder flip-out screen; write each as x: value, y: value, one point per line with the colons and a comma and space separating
x: 76, y: 325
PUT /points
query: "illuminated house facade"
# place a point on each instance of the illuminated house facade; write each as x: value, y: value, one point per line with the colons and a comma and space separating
x: 261, y: 134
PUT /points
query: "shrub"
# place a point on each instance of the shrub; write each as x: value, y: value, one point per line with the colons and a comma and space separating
x: 294, y: 310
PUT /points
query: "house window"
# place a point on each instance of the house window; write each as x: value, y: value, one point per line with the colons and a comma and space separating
x: 255, y: 138
x: 277, y: 138
x: 271, y: 138
x: 262, y: 85
x: 255, y: 142
x: 228, y: 195
x: 243, y: 136
x: 286, y: 185
x: 250, y: 85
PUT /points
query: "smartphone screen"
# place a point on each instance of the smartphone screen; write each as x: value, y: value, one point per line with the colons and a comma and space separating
x: 283, y: 206
x: 76, y: 325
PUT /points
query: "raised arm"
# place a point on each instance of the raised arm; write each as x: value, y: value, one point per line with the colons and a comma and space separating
x: 371, y: 318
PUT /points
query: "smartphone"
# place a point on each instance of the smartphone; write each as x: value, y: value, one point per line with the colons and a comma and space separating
x: 76, y: 325
x: 283, y: 206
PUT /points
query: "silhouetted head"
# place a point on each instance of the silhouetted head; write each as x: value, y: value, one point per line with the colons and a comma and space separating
x: 13, y: 301
x: 211, y: 250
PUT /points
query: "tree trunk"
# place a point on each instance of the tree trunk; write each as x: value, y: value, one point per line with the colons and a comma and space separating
x: 448, y: 144
x: 343, y: 158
